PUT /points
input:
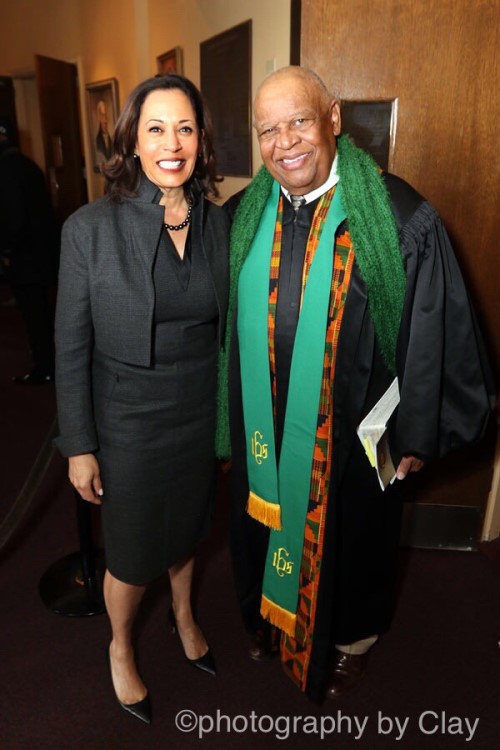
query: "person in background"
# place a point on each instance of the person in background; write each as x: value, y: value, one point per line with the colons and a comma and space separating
x: 140, y: 314
x: 342, y: 279
x: 29, y: 249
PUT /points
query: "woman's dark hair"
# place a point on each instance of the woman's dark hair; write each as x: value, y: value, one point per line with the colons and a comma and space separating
x: 123, y: 171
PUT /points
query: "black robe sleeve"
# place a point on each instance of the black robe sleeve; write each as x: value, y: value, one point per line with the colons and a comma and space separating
x: 446, y: 385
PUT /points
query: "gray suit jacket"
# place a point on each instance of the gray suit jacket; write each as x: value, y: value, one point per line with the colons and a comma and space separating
x: 106, y: 295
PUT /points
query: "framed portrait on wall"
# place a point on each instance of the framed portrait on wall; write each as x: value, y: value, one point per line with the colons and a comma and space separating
x: 372, y: 126
x: 171, y: 62
x: 102, y: 107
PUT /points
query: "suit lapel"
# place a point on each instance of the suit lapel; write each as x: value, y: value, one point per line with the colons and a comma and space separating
x: 204, y: 233
x: 145, y: 222
x: 145, y: 226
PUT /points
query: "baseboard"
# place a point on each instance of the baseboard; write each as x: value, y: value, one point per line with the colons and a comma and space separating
x: 454, y: 527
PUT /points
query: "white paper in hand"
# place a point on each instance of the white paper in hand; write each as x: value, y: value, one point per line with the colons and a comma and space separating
x: 373, y: 435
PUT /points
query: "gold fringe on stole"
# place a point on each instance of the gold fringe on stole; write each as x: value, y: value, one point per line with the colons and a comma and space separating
x: 281, y: 618
x: 267, y: 513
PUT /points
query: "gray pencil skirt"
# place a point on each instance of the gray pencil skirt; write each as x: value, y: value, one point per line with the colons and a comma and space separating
x: 156, y: 455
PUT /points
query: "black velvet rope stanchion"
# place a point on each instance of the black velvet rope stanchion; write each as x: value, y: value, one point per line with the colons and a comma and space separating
x: 72, y: 586
x: 22, y: 504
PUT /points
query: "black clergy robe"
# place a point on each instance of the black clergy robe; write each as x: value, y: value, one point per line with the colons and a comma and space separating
x: 447, y: 394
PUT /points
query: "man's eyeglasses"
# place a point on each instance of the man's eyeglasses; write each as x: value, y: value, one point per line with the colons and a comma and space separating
x: 297, y: 125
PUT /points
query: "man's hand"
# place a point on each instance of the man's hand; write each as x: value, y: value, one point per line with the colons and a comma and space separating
x: 85, y: 477
x: 407, y: 464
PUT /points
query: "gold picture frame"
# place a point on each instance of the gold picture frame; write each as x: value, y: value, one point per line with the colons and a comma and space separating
x: 102, y: 111
x: 171, y: 62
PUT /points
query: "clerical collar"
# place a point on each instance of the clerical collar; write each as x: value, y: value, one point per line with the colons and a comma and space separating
x: 317, y: 192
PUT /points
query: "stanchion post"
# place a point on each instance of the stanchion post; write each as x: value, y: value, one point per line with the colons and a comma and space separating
x: 72, y: 586
x: 84, y: 521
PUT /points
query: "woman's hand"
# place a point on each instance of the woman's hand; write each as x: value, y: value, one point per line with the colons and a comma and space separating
x: 85, y: 477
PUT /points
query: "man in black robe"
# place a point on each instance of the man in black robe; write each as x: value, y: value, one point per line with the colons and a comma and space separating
x: 444, y: 383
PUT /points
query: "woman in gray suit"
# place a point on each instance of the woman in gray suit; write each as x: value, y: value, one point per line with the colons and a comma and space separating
x: 141, y: 305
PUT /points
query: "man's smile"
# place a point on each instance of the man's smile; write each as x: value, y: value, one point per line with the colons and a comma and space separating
x: 294, y: 162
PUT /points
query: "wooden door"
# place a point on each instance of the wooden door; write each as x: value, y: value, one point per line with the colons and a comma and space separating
x: 8, y: 104
x: 57, y: 83
x: 440, y: 61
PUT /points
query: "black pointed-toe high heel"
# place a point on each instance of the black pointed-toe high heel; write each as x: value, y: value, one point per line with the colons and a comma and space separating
x: 141, y: 710
x: 206, y: 662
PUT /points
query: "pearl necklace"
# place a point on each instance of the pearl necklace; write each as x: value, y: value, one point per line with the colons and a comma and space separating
x: 176, y: 227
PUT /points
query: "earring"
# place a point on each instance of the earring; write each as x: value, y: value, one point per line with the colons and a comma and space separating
x: 136, y: 156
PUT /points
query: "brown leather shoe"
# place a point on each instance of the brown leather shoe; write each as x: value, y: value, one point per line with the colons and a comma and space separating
x: 264, y: 645
x: 346, y: 672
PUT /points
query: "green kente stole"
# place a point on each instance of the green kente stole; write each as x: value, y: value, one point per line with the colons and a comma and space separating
x: 279, y: 495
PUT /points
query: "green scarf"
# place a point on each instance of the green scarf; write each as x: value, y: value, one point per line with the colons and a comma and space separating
x: 376, y: 245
